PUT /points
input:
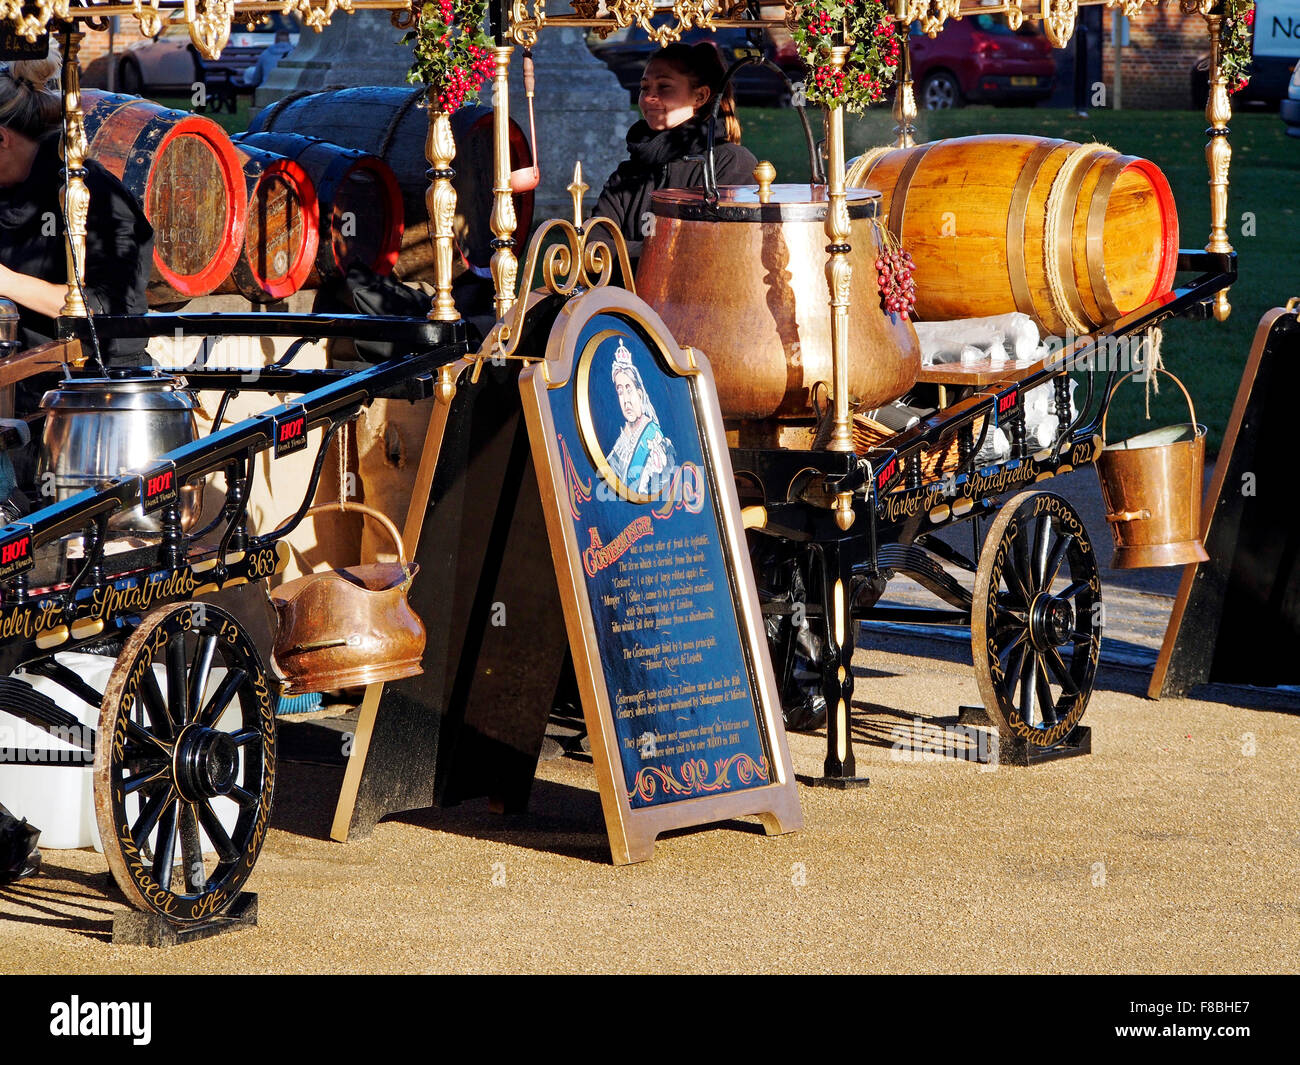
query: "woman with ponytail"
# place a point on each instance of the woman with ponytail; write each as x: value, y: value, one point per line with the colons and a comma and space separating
x: 33, y: 262
x: 668, y: 145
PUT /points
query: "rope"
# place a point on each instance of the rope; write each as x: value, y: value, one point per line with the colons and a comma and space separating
x: 417, y: 95
x: 859, y: 168
x: 1056, y: 198
x: 273, y: 112
x: 1154, y: 339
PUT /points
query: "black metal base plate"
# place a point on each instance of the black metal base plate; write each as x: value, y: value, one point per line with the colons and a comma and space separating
x: 1078, y: 742
x: 838, y: 783
x: 137, y: 929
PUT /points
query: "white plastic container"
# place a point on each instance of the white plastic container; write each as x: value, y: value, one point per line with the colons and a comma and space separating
x: 56, y: 798
x: 60, y: 799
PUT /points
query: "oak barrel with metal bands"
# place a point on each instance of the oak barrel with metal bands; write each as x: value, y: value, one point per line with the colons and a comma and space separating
x: 1076, y: 236
x: 390, y: 122
x: 282, y: 237
x: 359, y: 202
x: 185, y: 174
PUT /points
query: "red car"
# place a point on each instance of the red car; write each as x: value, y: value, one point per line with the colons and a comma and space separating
x: 980, y: 59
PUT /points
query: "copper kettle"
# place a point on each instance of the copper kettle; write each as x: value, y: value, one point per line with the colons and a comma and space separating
x: 348, y: 627
x: 743, y: 278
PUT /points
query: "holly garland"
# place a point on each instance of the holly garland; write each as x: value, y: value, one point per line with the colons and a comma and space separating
x: 874, y: 58
x: 1235, y: 43
x: 453, y: 56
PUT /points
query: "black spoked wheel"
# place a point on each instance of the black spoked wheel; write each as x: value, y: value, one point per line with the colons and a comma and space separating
x: 185, y: 763
x: 1036, y: 619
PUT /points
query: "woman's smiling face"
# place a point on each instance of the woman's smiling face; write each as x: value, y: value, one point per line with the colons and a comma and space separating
x: 667, y: 98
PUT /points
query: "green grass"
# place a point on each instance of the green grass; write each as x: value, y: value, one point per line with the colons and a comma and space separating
x: 232, y: 124
x: 1265, y: 176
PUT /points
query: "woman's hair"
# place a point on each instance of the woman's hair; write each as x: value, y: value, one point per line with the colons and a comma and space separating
x: 27, y: 105
x: 703, y: 66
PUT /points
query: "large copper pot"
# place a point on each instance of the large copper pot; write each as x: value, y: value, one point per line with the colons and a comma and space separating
x: 745, y: 282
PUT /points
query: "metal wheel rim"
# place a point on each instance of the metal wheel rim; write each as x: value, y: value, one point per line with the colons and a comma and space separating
x: 163, y: 779
x: 940, y: 94
x: 1036, y: 568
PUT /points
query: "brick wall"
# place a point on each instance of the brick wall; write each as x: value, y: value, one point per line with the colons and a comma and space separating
x: 1164, y: 45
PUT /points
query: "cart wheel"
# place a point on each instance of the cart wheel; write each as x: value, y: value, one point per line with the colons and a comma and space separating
x: 190, y: 750
x: 1036, y: 619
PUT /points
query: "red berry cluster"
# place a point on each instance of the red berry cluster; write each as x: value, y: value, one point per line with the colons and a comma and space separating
x: 453, y: 56
x: 868, y: 29
x: 820, y: 24
x: 894, y: 270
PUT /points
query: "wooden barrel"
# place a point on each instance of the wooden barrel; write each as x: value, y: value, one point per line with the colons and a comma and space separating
x: 391, y: 123
x: 282, y: 237
x: 1074, y: 235
x: 185, y: 174
x: 359, y: 203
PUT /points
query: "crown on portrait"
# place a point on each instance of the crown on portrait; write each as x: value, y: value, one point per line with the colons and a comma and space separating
x: 622, y: 356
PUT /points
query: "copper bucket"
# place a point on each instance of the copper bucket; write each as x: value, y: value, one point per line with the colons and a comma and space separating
x: 348, y: 627
x: 1151, y: 484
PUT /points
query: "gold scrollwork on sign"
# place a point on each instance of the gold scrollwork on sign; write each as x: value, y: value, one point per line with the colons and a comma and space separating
x: 576, y: 263
x: 149, y: 17
x: 910, y: 11
x: 524, y: 27
x: 209, y: 22
x: 1015, y: 14
x: 31, y: 23
x: 1058, y: 20
x: 937, y: 13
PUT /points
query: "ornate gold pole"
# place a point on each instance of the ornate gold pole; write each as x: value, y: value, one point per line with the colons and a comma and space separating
x: 905, y: 102
x: 439, y: 148
x: 838, y: 269
x: 74, y: 197
x: 505, y: 265
x: 1218, y: 154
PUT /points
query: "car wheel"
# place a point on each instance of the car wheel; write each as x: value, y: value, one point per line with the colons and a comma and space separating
x: 129, y: 79
x: 940, y: 91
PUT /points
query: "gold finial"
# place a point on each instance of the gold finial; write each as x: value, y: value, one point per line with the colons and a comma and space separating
x: 764, y: 174
x: 577, y: 189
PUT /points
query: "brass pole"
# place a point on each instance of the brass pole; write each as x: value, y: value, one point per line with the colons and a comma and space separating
x: 1218, y: 155
x: 839, y: 271
x: 74, y: 197
x: 439, y: 149
x: 905, y: 102
x: 505, y: 265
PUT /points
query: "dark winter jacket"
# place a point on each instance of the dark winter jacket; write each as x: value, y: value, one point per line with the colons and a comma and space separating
x: 119, y: 240
x: 672, y: 159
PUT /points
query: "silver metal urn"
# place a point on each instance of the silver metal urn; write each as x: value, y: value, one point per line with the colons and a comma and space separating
x: 97, y: 428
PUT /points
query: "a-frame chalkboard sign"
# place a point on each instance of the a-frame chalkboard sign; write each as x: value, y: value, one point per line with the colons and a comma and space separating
x: 659, y: 602
x: 1237, y: 616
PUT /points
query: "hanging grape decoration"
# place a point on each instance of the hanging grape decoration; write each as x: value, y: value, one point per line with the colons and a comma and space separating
x: 894, y: 270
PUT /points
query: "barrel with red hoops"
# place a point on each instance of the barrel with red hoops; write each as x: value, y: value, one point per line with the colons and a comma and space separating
x: 358, y: 198
x: 283, y: 232
x: 184, y: 172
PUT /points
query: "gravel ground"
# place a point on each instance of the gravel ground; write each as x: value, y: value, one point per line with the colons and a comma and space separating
x: 1174, y: 847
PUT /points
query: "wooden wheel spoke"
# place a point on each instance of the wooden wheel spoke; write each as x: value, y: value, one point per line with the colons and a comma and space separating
x: 1013, y: 676
x: 221, y: 698
x: 149, y: 815
x: 1073, y: 589
x: 1029, y: 686
x: 145, y: 739
x: 165, y: 850
x: 245, y: 736
x: 155, y: 706
x: 196, y: 877
x: 177, y: 695
x: 1046, y: 701
x: 1020, y: 568
x: 1041, y: 547
x: 157, y: 773
x: 1056, y: 666
x: 217, y: 833
x: 200, y: 670
x: 243, y: 797
x: 1057, y: 556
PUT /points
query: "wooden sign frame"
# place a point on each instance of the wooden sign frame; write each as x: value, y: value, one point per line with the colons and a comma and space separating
x: 632, y: 829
